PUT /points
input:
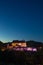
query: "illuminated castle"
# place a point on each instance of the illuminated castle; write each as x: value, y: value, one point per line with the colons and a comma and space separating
x: 19, y: 44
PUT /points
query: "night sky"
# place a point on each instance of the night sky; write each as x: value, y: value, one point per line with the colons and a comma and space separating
x: 21, y: 20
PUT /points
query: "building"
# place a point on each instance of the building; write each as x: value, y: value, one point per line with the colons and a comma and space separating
x: 19, y: 44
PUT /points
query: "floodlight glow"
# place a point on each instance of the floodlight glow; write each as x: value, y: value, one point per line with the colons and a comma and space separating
x: 34, y: 49
x: 29, y: 49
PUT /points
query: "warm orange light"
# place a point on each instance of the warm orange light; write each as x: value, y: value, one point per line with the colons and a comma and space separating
x: 23, y: 45
x: 19, y: 44
x: 2, y: 49
x: 13, y: 44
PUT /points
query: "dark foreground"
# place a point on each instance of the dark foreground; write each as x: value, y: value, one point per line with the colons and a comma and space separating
x: 21, y: 58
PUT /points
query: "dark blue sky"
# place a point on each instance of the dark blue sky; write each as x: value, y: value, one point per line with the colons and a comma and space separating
x: 21, y: 19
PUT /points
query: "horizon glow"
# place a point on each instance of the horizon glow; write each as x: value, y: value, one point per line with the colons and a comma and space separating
x: 21, y: 20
